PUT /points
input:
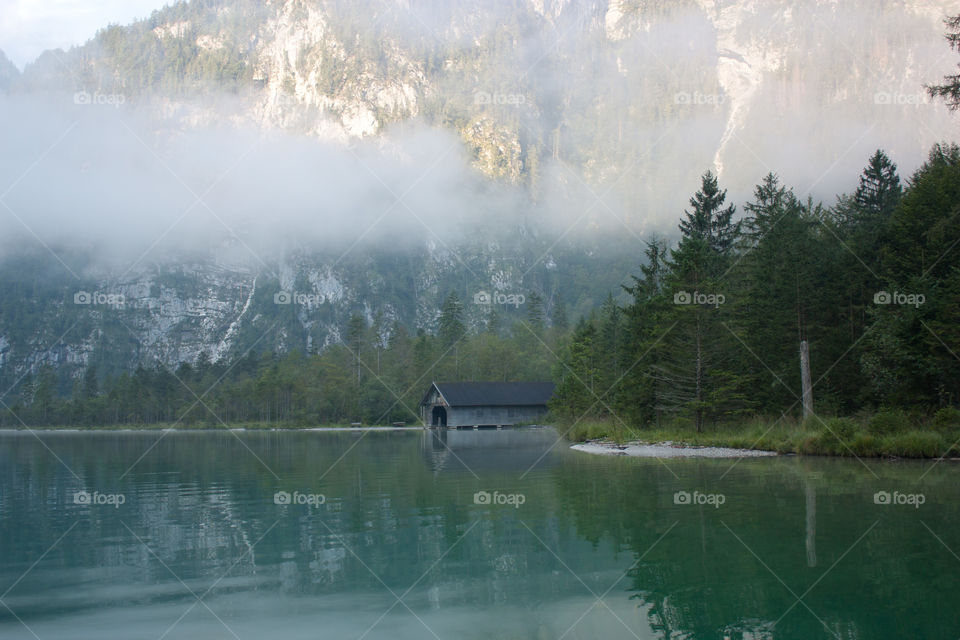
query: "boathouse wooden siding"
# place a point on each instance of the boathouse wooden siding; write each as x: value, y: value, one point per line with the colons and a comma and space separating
x: 484, y: 404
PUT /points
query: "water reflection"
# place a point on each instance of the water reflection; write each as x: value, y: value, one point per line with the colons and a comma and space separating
x: 400, y: 532
x: 464, y: 450
x: 798, y: 550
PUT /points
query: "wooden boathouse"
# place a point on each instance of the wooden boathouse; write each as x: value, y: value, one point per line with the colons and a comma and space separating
x: 484, y: 404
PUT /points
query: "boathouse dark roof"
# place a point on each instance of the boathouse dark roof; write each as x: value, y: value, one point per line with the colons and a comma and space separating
x: 500, y: 394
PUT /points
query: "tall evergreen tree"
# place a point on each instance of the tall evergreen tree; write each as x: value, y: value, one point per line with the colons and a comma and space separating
x: 709, y: 221
x: 577, y: 373
x: 879, y: 190
x: 611, y: 349
x: 451, y: 328
x: 534, y: 304
x: 693, y: 360
x: 771, y: 200
x: 451, y: 332
x: 856, y: 228
x: 950, y: 89
x: 909, y: 357
x: 356, y: 328
x: 558, y: 316
x: 645, y: 322
x: 780, y: 295
x: 44, y: 392
x: 91, y: 385
x: 423, y: 355
x: 493, y: 323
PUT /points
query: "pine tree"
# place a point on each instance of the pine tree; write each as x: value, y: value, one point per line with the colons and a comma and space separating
x: 91, y: 385
x: 860, y: 221
x: 906, y: 358
x: 558, y: 316
x: 693, y: 360
x: 879, y: 190
x: 202, y: 363
x: 493, y: 323
x: 644, y: 325
x: 379, y: 334
x: 710, y: 223
x: 770, y: 202
x: 43, y: 395
x: 451, y: 328
x: 356, y: 328
x: 534, y: 304
x: 950, y: 89
x: 611, y: 349
x: 778, y: 296
x: 423, y: 356
x: 577, y: 373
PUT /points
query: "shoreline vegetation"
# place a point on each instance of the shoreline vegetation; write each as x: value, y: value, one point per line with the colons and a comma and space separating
x: 885, y: 434
x: 258, y: 426
x: 847, y: 310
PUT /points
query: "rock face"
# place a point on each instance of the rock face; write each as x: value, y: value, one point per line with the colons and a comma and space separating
x: 8, y: 72
x: 581, y: 81
x: 634, y: 99
x: 183, y: 311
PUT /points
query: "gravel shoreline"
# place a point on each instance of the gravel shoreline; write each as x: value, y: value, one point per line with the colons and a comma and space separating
x: 667, y: 450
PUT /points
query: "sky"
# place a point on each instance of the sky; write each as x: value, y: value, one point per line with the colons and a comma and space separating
x: 29, y: 27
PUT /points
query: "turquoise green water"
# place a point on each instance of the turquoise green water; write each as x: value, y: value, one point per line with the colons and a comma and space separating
x: 191, y: 535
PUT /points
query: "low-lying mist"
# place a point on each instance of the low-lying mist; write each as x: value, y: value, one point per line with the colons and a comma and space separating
x: 118, y: 183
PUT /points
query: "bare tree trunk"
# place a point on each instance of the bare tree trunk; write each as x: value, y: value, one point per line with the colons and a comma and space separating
x: 811, y: 525
x: 698, y: 414
x: 805, y: 383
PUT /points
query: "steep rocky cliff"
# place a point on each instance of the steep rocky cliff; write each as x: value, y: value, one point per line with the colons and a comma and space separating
x: 590, y: 83
x: 630, y: 100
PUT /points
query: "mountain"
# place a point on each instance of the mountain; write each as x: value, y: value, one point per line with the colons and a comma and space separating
x: 605, y: 111
x: 8, y: 72
x: 595, y: 85
x: 184, y: 310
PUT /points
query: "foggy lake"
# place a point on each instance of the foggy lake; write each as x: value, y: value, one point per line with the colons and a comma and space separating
x: 469, y: 534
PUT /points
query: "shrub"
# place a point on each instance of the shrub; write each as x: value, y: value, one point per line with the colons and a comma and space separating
x: 947, y: 420
x: 865, y: 444
x: 598, y: 429
x: 888, y: 422
x: 585, y: 430
x: 834, y: 437
x: 812, y: 445
x: 843, y: 429
x: 915, y: 444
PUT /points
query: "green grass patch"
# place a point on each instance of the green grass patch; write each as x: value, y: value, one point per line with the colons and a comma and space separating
x: 888, y: 422
x: 598, y: 429
x: 888, y: 433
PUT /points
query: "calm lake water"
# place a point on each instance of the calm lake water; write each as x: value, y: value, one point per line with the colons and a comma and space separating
x: 401, y: 535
